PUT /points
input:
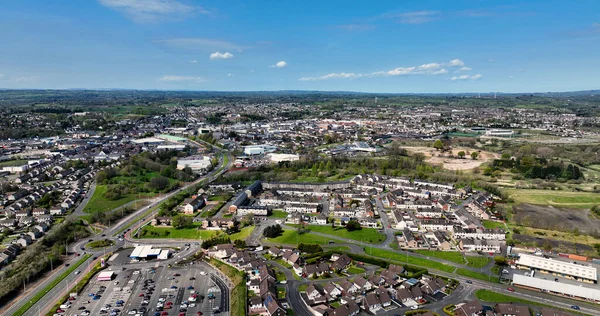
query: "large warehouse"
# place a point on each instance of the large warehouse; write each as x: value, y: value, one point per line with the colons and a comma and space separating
x: 579, y: 272
x: 561, y: 288
x: 145, y: 252
x: 105, y: 276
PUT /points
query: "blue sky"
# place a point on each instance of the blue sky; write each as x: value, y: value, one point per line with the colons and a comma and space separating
x: 370, y: 46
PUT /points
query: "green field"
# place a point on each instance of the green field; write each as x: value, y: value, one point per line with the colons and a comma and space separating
x: 494, y: 297
x: 290, y: 237
x: 223, y: 197
x: 493, y: 224
x: 476, y: 275
x: 355, y: 270
x: 555, y: 198
x: 478, y: 261
x: 391, y: 255
x: 370, y: 235
x: 242, y: 234
x: 183, y: 233
x: 100, y: 243
x: 50, y: 286
x: 279, y: 214
x: 99, y: 203
x: 452, y: 256
x: 13, y: 163
x: 339, y: 248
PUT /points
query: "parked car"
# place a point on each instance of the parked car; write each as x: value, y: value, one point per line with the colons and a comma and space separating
x: 511, y: 289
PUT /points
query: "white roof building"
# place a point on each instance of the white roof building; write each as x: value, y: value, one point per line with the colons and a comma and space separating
x: 568, y: 269
x: 105, y: 275
x: 557, y: 287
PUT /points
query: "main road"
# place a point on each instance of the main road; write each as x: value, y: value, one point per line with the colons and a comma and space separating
x: 51, y: 297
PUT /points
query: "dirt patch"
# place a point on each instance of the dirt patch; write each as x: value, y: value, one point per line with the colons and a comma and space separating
x: 554, y: 218
x: 448, y: 161
x: 556, y: 245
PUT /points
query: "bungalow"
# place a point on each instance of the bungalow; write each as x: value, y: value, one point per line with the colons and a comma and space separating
x: 256, y: 305
x: 416, y: 292
x: 292, y: 257
x: 332, y: 290
x: 403, y: 295
x: 254, y: 286
x: 273, y: 307
x: 266, y: 288
x: 371, y: 303
x: 341, y: 263
x: 321, y: 219
x: 433, y: 286
x: 472, y: 308
x: 363, y: 284
x: 348, y: 287
x: 34, y: 234
x: 161, y: 221
x: 511, y: 310
x: 315, y: 269
x: 265, y: 272
x: 315, y: 293
x: 348, y: 309
x: 274, y: 251
x: 42, y: 227
x: 384, y: 297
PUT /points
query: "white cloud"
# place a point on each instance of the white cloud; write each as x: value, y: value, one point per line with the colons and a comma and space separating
x: 424, y: 69
x: 193, y: 61
x: 217, y: 55
x: 430, y: 66
x: 173, y: 78
x: 456, y: 63
x: 149, y: 11
x: 416, y: 17
x: 198, y: 44
x: 465, y: 69
x: 466, y: 77
x: 341, y: 75
x: 26, y: 78
x: 229, y: 75
x: 279, y: 64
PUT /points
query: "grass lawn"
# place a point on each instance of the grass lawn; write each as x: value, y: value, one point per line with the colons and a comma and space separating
x: 355, y: 270
x: 302, y: 287
x: 335, y: 304
x: 242, y: 234
x: 183, y: 233
x: 280, y: 276
x: 493, y: 224
x: 238, y: 294
x: 100, y: 243
x: 452, y: 256
x: 99, y: 203
x: 280, y: 293
x: 391, y: 255
x: 13, y: 163
x: 290, y: 237
x: 478, y: 261
x: 283, y: 263
x: 370, y: 235
x: 279, y: 214
x: 339, y: 248
x: 565, y: 199
x: 494, y: 297
x: 223, y: 197
x: 476, y: 275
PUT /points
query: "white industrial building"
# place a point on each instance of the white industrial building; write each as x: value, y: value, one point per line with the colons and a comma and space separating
x: 202, y: 164
x: 259, y: 149
x: 283, y: 157
x: 171, y: 147
x: 580, y: 272
x: 105, y: 276
x: 561, y: 288
x: 148, y: 140
x: 499, y: 132
x: 145, y: 252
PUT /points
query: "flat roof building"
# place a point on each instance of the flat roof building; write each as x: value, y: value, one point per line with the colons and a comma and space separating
x: 143, y: 252
x: 570, y: 270
x: 105, y: 276
x: 561, y: 288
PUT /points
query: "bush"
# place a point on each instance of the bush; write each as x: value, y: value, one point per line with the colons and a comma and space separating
x: 273, y: 231
x: 353, y: 225
x: 310, y: 248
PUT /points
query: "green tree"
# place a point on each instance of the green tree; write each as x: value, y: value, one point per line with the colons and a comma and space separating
x: 461, y: 154
x: 500, y: 260
x: 353, y: 225
x: 474, y: 155
x: 181, y: 221
x: 438, y: 144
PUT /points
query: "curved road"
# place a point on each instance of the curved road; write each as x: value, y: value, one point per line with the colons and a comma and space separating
x: 48, y: 300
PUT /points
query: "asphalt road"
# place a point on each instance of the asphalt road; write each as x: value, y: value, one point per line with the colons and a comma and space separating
x: 50, y: 298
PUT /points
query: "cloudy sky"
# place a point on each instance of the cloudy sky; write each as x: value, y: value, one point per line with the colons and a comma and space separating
x: 370, y: 46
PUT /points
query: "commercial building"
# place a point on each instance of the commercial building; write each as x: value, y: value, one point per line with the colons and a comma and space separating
x: 259, y: 149
x: 571, y: 270
x: 499, y: 133
x: 283, y: 157
x: 557, y: 288
x: 200, y: 164
x: 145, y: 252
x: 105, y: 276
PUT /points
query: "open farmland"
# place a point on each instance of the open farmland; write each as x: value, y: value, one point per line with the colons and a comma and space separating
x: 564, y: 199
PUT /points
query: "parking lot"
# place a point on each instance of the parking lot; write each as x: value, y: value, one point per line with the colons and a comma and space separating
x: 151, y: 288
